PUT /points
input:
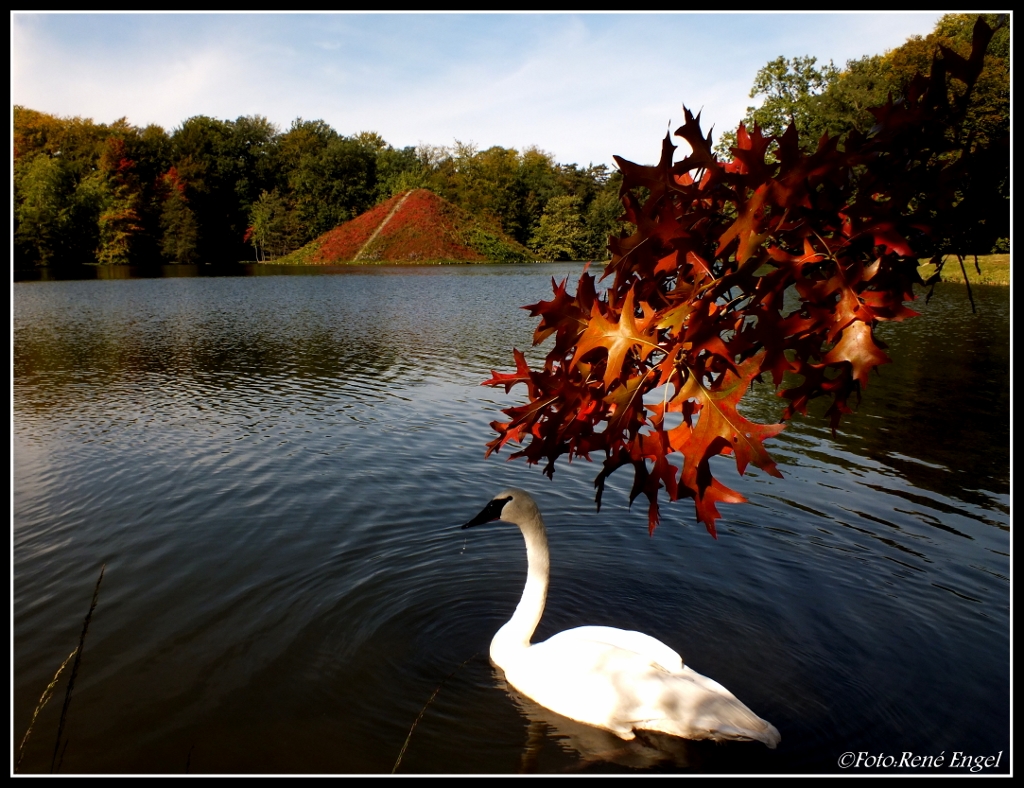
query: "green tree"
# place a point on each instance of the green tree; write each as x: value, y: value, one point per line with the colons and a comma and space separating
x: 603, y: 219
x: 253, y: 148
x: 202, y: 159
x: 536, y: 183
x: 988, y: 114
x: 297, y: 152
x: 399, y: 171
x: 862, y: 84
x: 499, y: 184
x: 55, y: 213
x: 562, y: 233
x: 792, y: 90
x: 274, y: 229
x: 304, y: 138
x: 836, y: 102
x: 335, y: 184
x: 151, y: 150
x: 57, y: 191
x: 226, y: 165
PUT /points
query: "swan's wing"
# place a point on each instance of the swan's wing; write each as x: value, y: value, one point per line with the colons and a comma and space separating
x: 646, y: 646
x: 693, y: 706
x: 621, y: 689
x: 709, y: 685
x: 583, y: 679
x: 637, y: 642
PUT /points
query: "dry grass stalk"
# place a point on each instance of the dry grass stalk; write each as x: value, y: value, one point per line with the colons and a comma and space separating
x: 424, y: 709
x: 43, y: 700
x: 74, y: 669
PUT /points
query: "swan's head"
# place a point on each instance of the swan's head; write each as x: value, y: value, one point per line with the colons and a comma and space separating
x: 512, y: 505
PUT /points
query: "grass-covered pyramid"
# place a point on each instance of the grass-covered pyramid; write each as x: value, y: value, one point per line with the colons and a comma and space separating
x: 415, y: 226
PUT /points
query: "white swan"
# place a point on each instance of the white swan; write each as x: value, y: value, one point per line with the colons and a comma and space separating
x: 612, y: 678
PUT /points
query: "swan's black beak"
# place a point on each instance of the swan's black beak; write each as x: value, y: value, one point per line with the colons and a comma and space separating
x: 489, y: 513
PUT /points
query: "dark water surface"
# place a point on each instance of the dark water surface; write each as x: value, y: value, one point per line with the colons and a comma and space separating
x: 273, y: 469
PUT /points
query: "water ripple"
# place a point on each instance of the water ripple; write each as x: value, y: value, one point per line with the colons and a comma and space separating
x: 274, y: 469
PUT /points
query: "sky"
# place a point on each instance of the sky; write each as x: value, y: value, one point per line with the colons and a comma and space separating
x: 582, y: 87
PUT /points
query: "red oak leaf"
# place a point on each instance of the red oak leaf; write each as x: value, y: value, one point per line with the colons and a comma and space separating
x: 617, y: 338
x: 857, y: 347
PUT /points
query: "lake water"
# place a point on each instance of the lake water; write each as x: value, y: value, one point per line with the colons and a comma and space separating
x: 273, y: 469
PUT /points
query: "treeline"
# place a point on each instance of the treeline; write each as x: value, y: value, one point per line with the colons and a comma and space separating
x: 221, y: 190
x: 823, y: 99
x: 828, y: 99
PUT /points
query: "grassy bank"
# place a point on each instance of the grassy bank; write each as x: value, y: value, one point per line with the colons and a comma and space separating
x: 995, y: 270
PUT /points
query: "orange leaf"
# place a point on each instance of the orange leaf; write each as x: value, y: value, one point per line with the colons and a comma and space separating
x: 857, y: 346
x: 720, y: 426
x: 617, y: 338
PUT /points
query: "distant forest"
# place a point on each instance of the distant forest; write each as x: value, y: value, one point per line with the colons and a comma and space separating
x: 229, y: 190
x: 224, y: 191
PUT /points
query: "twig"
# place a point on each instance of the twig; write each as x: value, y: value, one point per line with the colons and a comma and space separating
x: 967, y: 281
x: 43, y: 700
x: 424, y: 709
x: 74, y: 669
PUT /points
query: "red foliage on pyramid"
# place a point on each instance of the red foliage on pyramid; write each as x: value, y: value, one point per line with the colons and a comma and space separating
x: 415, y: 226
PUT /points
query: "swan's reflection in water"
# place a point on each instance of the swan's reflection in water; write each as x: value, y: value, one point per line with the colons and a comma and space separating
x: 594, y: 748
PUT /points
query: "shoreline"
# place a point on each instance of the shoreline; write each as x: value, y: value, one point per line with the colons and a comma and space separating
x: 995, y: 268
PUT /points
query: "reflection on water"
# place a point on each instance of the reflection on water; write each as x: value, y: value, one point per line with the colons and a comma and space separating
x: 593, y: 748
x: 273, y: 469
x: 551, y: 737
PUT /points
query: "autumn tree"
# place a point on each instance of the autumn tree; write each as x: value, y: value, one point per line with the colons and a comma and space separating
x: 120, y: 221
x: 179, y: 231
x: 77, y: 142
x: 650, y: 371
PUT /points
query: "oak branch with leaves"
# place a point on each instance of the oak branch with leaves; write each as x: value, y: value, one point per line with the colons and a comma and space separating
x: 695, y: 312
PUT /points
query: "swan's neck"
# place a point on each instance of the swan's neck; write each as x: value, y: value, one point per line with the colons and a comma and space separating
x: 515, y: 636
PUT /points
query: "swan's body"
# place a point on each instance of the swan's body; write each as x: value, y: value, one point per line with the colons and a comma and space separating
x: 615, y: 679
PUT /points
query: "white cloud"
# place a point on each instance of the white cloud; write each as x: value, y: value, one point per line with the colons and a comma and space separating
x: 581, y: 87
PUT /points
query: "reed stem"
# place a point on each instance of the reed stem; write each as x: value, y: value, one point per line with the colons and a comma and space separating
x: 43, y: 700
x: 74, y: 670
x: 424, y: 709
